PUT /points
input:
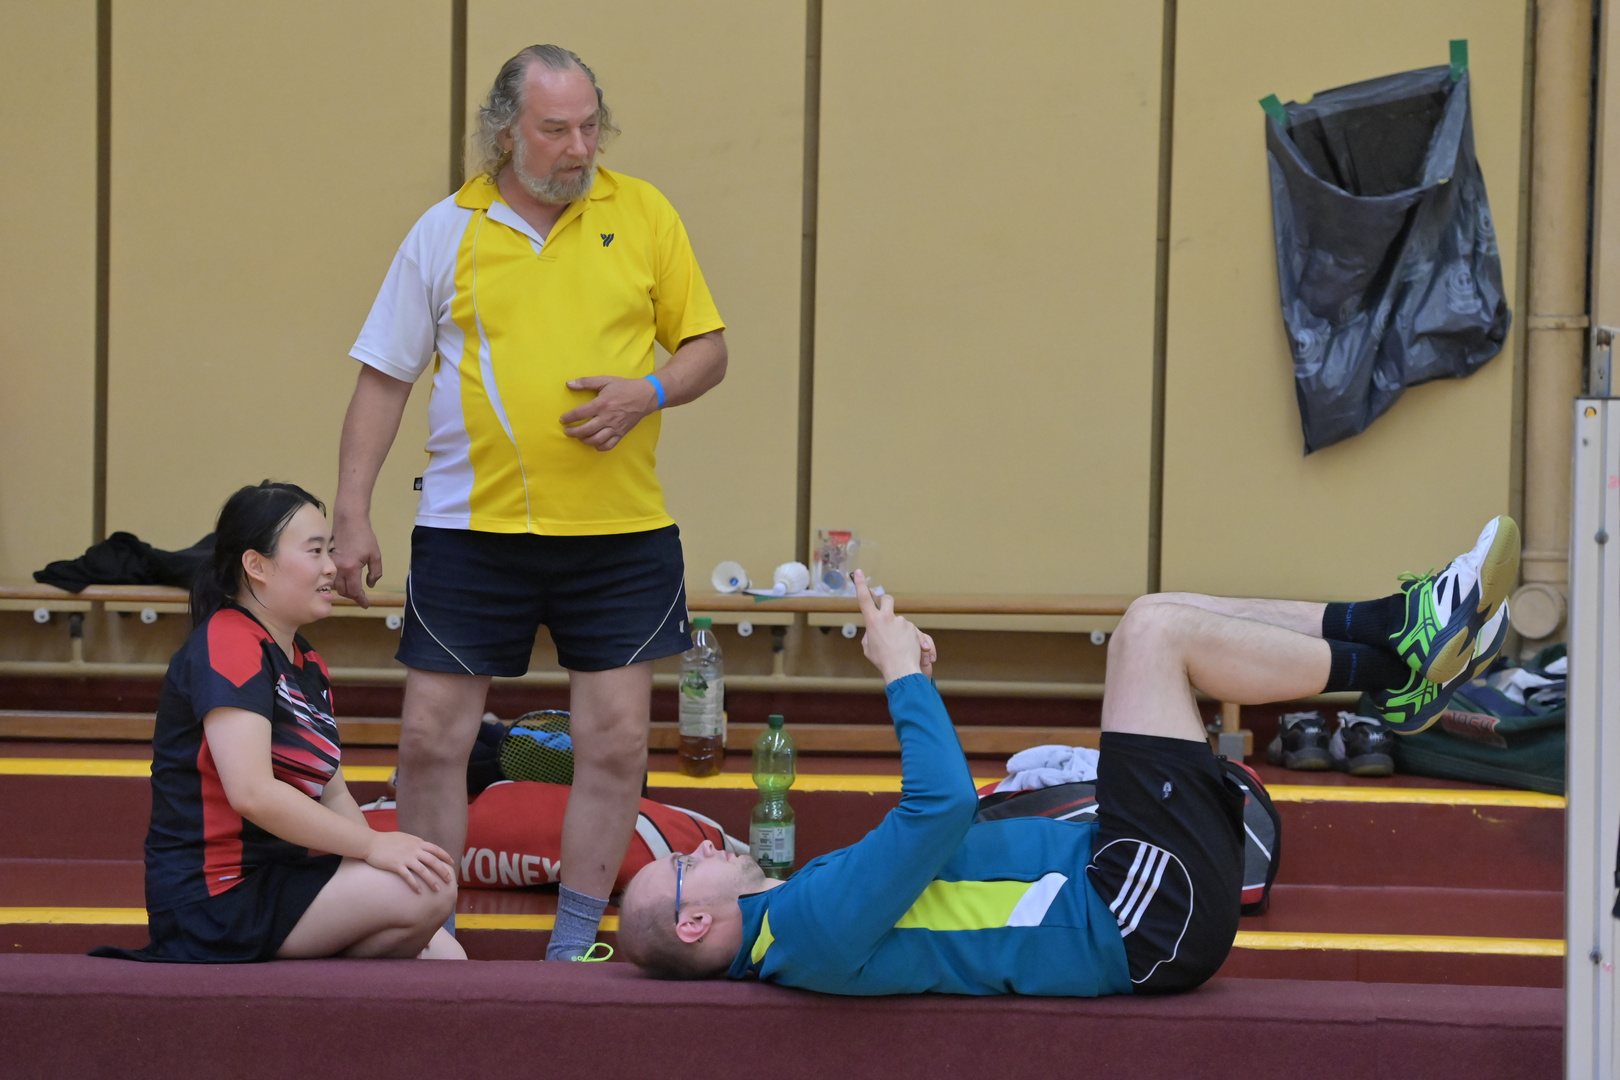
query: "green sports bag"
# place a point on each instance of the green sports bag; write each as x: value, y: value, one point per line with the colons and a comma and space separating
x: 1488, y: 737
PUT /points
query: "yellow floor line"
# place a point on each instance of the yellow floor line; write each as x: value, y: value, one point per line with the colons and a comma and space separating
x: 872, y: 784
x: 1427, y: 796
x: 73, y: 916
x: 1246, y: 939
x: 44, y: 766
x: 1407, y: 943
x: 101, y: 916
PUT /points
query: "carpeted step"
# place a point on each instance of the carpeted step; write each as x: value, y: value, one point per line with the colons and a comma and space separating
x: 1417, y: 890
x: 1437, y: 843
x: 391, y: 1019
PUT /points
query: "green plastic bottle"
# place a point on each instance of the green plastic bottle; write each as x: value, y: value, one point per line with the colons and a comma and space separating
x: 770, y: 829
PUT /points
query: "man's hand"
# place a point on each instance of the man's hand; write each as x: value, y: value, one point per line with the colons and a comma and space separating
x: 619, y: 405
x: 369, y: 428
x: 895, y: 647
x: 355, y: 548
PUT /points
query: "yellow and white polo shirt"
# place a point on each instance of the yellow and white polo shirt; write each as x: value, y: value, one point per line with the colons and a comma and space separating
x: 511, y: 316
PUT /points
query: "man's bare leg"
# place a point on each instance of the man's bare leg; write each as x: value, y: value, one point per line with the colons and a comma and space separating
x: 1300, y: 616
x: 437, y: 731
x: 608, y: 721
x: 1161, y: 652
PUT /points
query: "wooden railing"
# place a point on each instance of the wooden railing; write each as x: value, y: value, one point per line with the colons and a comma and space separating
x: 776, y: 613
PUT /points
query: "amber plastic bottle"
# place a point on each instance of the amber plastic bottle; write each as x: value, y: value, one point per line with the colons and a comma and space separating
x: 703, y: 702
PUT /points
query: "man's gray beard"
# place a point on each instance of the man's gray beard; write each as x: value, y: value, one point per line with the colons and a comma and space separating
x: 548, y: 188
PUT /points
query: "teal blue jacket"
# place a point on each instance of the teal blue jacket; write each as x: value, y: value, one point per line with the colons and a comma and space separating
x: 929, y: 901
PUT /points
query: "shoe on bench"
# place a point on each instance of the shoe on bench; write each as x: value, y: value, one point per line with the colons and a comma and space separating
x: 1301, y: 742
x: 1362, y: 746
x: 1446, y: 612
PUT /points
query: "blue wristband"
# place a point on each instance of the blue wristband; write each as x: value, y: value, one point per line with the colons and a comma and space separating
x: 659, y: 387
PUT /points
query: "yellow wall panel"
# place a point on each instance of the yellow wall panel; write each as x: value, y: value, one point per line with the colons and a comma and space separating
x: 1244, y: 511
x: 710, y: 96
x: 47, y: 282
x: 984, y: 332
x: 267, y: 160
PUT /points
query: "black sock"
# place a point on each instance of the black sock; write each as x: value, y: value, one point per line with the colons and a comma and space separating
x: 1364, y: 667
x: 1368, y: 622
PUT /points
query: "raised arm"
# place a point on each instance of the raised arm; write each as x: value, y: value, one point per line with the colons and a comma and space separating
x: 859, y: 898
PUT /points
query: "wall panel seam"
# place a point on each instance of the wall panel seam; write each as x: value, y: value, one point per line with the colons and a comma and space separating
x: 458, y: 94
x: 98, y: 482
x: 1161, y: 299
x: 807, y: 275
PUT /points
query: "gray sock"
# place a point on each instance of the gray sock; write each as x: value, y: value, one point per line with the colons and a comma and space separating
x: 578, y: 916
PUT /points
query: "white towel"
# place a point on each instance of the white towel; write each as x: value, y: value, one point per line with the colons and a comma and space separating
x: 1049, y: 766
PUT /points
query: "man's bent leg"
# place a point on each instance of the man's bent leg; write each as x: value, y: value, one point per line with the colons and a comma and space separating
x: 609, y: 725
x: 1168, y: 855
x: 1161, y: 652
x: 440, y: 723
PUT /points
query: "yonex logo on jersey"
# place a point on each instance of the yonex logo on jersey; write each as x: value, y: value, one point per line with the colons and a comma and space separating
x: 607, y: 238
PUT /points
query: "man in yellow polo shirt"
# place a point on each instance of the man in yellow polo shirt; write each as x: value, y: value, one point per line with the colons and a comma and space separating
x: 540, y: 287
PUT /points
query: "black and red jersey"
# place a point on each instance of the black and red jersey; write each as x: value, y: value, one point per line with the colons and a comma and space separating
x: 197, y: 846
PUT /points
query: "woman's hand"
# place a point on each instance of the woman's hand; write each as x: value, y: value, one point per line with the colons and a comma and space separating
x: 412, y: 858
x: 894, y: 646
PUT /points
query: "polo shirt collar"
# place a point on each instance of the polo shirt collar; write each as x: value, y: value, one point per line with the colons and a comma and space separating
x: 479, y: 193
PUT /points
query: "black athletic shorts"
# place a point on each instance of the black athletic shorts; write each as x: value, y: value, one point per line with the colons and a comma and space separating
x: 1168, y: 857
x: 245, y: 923
x: 474, y: 600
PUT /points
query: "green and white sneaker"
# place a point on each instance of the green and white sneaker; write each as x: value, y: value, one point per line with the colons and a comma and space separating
x: 1413, y: 707
x: 1446, y: 612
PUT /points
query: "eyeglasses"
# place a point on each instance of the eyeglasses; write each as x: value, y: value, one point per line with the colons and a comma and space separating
x: 681, y: 863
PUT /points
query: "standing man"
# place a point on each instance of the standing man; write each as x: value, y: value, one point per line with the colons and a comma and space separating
x: 541, y: 286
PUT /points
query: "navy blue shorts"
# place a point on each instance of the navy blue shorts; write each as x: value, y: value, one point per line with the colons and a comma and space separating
x: 475, y: 600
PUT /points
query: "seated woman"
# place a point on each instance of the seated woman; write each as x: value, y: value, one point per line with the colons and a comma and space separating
x: 246, y: 781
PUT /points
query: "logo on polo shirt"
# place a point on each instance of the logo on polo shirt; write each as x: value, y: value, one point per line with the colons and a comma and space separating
x: 607, y: 238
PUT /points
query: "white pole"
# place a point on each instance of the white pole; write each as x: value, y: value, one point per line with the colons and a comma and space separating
x: 1593, y: 775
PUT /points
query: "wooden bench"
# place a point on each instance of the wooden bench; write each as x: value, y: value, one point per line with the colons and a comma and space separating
x: 1093, y: 612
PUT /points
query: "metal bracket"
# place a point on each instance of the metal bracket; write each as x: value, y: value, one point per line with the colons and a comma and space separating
x: 1600, y: 372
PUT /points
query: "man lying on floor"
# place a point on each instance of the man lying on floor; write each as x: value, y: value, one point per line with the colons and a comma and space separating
x: 1145, y: 899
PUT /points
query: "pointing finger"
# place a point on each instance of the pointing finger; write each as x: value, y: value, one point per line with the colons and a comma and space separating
x: 863, y: 595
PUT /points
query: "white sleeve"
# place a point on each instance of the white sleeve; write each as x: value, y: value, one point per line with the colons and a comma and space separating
x: 399, y: 334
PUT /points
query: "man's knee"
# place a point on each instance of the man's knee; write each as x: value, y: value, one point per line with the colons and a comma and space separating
x: 1149, y: 623
x: 430, y: 746
x: 615, y: 745
x: 441, y: 716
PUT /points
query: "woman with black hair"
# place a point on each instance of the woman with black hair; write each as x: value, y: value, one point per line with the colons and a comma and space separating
x: 246, y: 781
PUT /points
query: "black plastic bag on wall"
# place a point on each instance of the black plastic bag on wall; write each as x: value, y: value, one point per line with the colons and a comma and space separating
x: 1387, y: 258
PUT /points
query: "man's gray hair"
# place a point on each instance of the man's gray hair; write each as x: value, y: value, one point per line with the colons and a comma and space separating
x: 500, y: 110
